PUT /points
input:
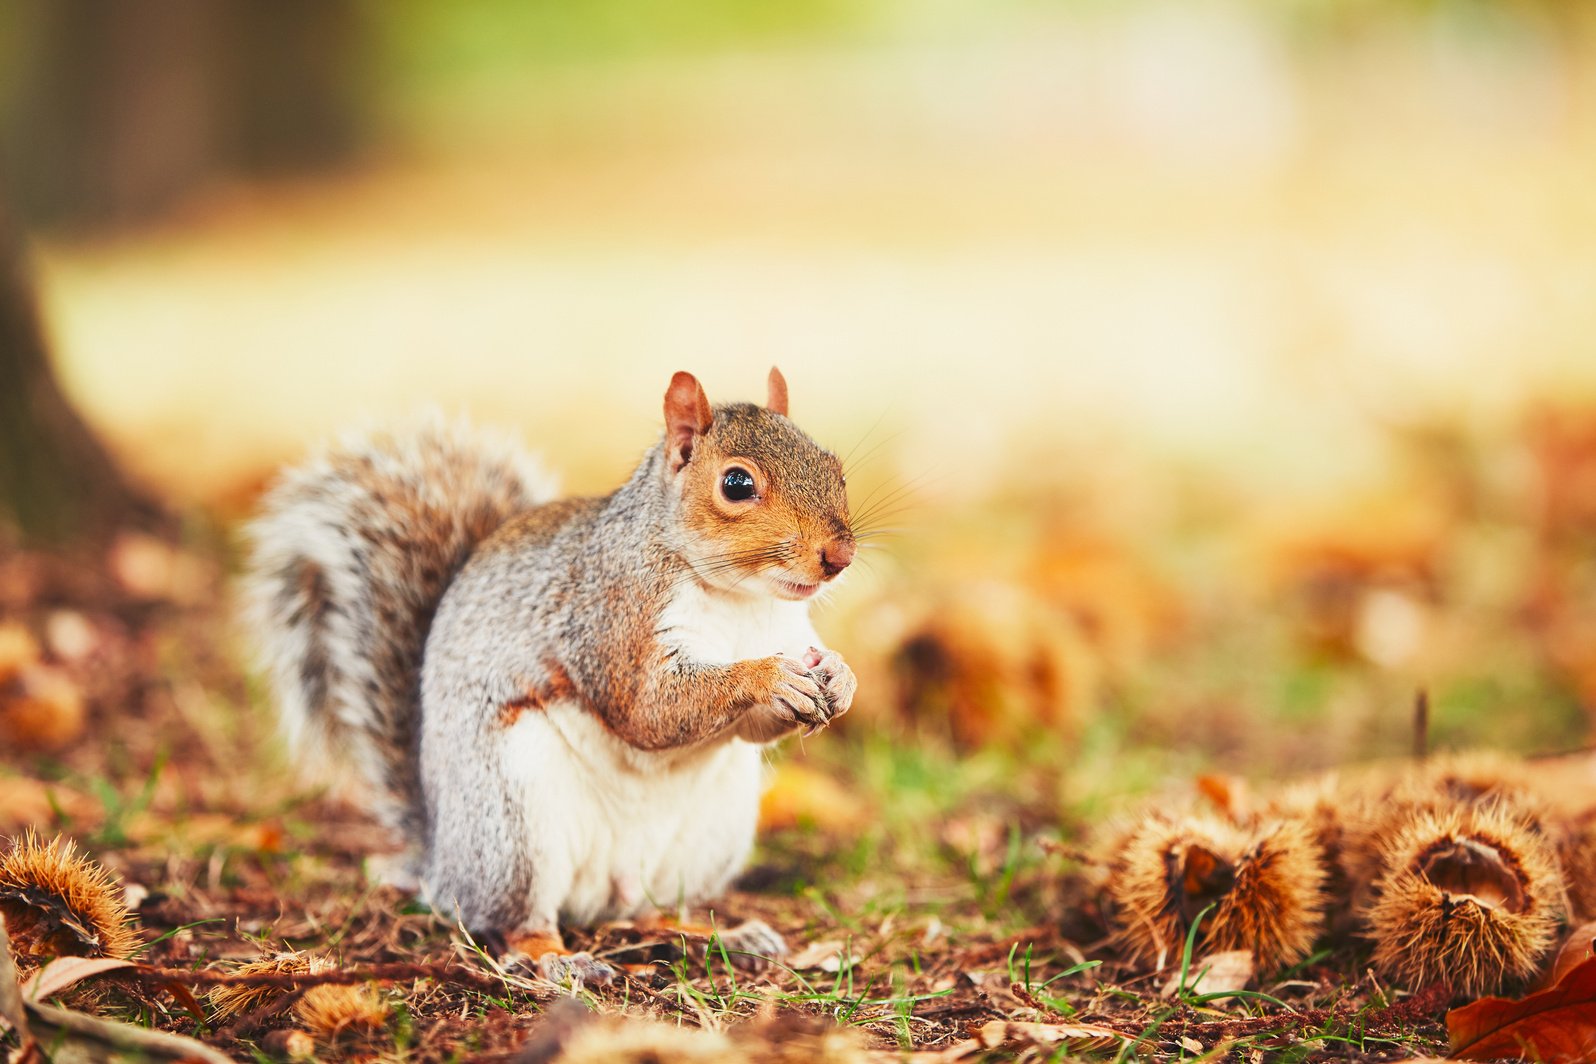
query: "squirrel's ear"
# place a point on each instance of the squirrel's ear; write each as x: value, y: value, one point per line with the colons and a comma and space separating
x: 687, y: 417
x: 777, y: 401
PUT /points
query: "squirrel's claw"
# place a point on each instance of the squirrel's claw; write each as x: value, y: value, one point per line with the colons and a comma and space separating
x: 799, y: 696
x: 836, y: 679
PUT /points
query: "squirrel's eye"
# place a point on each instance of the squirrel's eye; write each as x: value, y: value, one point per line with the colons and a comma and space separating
x: 737, y: 484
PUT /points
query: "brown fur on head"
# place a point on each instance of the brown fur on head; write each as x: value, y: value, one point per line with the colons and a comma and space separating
x: 763, y: 507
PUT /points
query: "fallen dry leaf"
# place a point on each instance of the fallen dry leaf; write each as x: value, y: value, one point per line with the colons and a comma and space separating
x: 12, y: 1013
x: 1227, y: 793
x: 825, y: 955
x: 1080, y: 1037
x: 63, y: 973
x: 41, y: 708
x: 1557, y: 1026
x: 958, y: 1051
x: 78, y: 1036
x: 1577, y: 948
x: 1216, y: 974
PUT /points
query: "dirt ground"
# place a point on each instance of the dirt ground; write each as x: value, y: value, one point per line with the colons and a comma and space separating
x: 942, y: 916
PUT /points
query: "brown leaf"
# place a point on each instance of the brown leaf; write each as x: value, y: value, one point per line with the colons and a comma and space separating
x: 1228, y: 793
x: 79, y: 1036
x: 1555, y: 1025
x: 826, y: 955
x: 185, y: 997
x: 1215, y: 974
x: 63, y: 973
x: 76, y: 1036
x: 41, y: 708
x: 1577, y: 948
x: 1080, y: 1037
x: 205, y: 829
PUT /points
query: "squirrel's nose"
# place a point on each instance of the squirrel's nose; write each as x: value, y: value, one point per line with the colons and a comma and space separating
x: 835, y: 556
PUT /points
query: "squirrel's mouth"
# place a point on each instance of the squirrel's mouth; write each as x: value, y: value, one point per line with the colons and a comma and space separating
x: 794, y: 589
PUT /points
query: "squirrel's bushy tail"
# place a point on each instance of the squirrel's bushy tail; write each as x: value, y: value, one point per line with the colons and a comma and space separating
x: 347, y: 563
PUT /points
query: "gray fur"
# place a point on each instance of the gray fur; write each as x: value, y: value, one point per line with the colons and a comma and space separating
x: 347, y: 562
x: 415, y: 595
x: 531, y: 599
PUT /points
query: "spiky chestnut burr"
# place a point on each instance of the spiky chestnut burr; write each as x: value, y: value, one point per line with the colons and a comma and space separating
x: 327, y: 1010
x: 57, y: 902
x: 1470, y: 897
x: 1262, y: 888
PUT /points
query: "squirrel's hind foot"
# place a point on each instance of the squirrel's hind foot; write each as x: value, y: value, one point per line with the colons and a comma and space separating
x: 542, y: 953
x: 575, y: 970
x: 752, y: 945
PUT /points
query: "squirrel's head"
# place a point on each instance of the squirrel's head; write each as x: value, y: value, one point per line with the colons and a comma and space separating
x: 763, y: 508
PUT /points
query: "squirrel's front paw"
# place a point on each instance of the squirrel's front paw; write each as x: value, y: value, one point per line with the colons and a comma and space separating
x: 798, y: 697
x: 836, y: 679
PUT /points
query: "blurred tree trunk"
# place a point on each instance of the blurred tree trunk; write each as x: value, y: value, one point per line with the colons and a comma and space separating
x: 57, y: 482
x: 119, y: 111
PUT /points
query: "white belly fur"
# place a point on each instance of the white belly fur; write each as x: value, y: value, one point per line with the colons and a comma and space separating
x: 616, y: 830
x: 612, y: 837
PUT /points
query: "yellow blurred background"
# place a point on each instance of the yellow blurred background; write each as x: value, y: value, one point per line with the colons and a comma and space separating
x: 1236, y: 234
x: 1263, y: 298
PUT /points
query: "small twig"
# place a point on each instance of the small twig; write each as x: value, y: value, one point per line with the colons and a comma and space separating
x: 664, y: 1000
x: 395, y: 972
x: 1069, y: 853
x: 1020, y: 991
x: 1421, y: 724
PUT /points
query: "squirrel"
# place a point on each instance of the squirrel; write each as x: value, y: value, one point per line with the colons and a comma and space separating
x: 559, y: 706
